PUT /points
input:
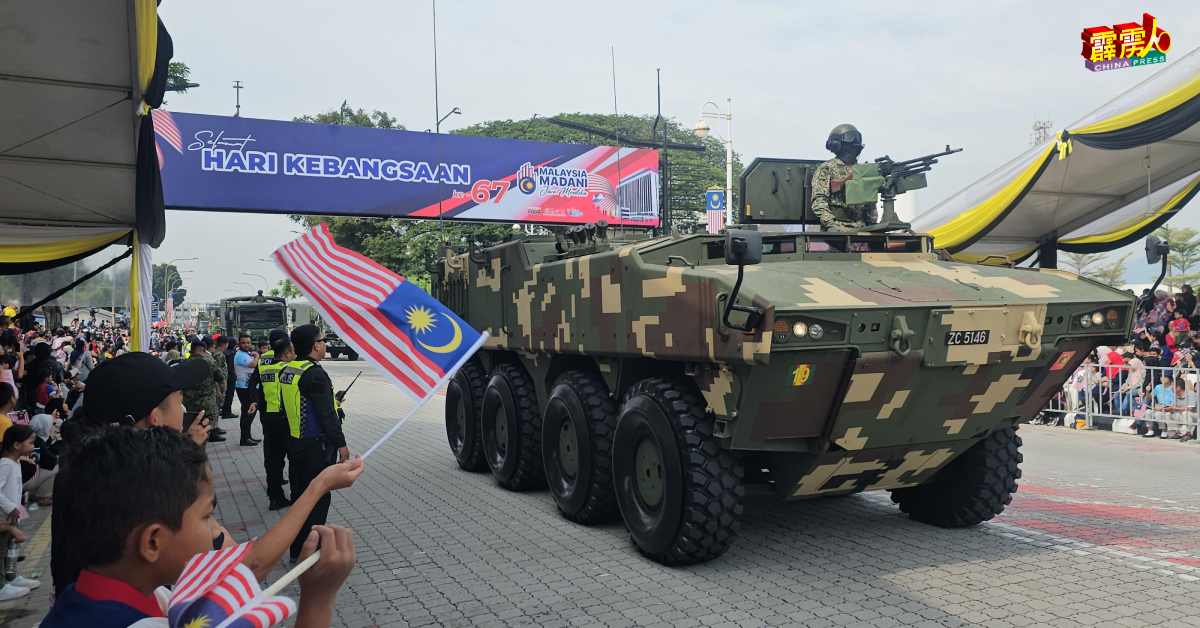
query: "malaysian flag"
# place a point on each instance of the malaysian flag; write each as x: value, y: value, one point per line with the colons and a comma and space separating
x: 215, y: 589
x: 165, y: 127
x: 716, y: 220
x: 714, y: 201
x: 405, y: 333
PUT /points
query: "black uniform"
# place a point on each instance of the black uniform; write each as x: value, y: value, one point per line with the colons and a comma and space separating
x: 317, y: 447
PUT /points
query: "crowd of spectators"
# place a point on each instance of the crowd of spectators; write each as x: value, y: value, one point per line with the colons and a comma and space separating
x: 1151, y: 383
x: 99, y: 435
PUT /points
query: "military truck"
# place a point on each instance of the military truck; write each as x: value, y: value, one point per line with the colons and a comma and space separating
x: 648, y: 378
x: 254, y: 315
x: 301, y: 312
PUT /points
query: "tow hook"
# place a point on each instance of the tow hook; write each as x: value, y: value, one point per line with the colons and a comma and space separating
x: 1031, y: 331
x: 900, y: 336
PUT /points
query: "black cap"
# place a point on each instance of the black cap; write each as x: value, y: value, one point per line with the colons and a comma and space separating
x: 277, y: 335
x: 128, y: 387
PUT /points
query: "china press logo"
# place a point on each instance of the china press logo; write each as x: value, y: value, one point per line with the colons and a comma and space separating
x: 1125, y: 45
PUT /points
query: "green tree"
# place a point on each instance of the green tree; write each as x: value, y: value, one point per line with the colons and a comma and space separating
x: 167, y: 276
x: 1185, y: 253
x: 286, y: 290
x: 347, y: 116
x: 177, y: 73
x: 1082, y: 264
x: 1112, y: 273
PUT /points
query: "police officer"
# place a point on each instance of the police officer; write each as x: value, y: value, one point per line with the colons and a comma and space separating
x: 829, y: 181
x: 315, y: 418
x: 274, y: 421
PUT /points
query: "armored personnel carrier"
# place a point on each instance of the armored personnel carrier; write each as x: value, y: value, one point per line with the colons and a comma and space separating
x: 647, y: 378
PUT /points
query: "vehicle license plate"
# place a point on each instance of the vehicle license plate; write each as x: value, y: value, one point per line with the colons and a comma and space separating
x: 960, y: 338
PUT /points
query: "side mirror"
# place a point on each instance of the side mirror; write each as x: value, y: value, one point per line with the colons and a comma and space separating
x: 743, y: 247
x: 1156, y: 248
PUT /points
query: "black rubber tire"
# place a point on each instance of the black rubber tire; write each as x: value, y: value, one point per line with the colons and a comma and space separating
x: 464, y: 394
x: 583, y: 400
x: 974, y: 487
x: 517, y: 463
x: 698, y: 514
x: 351, y: 355
x: 333, y: 355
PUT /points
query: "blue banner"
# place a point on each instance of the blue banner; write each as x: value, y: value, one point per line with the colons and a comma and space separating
x: 271, y: 166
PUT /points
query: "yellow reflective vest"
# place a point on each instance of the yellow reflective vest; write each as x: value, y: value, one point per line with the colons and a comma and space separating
x: 301, y: 421
x: 268, y: 374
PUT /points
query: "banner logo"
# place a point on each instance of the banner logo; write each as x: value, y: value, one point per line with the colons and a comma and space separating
x: 1125, y: 45
x: 525, y: 181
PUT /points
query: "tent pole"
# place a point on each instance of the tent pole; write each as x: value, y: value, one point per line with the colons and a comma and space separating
x: 1048, y: 254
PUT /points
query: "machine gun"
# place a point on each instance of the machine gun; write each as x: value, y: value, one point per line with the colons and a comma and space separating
x: 888, y: 179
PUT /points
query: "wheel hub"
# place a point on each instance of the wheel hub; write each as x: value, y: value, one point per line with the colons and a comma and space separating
x: 568, y: 449
x: 460, y: 422
x: 501, y: 431
x: 649, y: 468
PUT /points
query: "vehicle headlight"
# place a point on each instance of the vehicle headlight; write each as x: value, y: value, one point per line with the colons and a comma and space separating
x: 800, y: 329
x: 815, y: 331
x: 1085, y: 321
x: 1097, y: 319
x: 1113, y: 317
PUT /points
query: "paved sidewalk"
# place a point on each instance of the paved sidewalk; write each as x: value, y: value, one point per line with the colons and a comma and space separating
x: 1105, y: 531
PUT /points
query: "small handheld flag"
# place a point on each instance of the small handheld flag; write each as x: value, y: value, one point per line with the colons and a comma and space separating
x: 215, y: 588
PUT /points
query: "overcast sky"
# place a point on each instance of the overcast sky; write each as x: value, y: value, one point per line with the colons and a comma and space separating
x: 911, y: 76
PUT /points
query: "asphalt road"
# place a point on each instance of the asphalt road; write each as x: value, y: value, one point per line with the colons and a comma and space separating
x: 1104, y: 531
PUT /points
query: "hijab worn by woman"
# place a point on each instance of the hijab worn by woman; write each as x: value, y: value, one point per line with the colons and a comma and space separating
x: 41, y: 425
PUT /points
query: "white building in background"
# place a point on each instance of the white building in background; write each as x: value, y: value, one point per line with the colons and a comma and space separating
x: 187, y: 314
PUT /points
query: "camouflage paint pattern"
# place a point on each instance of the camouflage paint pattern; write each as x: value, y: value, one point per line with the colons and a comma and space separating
x: 882, y: 399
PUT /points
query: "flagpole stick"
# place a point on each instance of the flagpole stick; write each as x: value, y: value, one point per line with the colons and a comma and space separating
x: 305, y: 564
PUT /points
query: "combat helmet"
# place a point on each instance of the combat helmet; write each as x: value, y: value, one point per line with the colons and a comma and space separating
x: 844, y: 138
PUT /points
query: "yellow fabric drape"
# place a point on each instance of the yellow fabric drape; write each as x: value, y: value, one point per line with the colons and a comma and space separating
x: 962, y: 227
x: 1131, y: 226
x: 147, y: 43
x: 1152, y: 109
x: 47, y: 251
x: 995, y: 260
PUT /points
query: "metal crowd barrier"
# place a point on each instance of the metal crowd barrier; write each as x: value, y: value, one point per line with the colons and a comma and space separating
x: 1115, y: 395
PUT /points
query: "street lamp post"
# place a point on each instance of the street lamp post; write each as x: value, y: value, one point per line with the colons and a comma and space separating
x: 166, y: 275
x: 702, y: 130
x: 266, y: 286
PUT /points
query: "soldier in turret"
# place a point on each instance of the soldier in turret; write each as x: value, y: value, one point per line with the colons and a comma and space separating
x: 829, y: 181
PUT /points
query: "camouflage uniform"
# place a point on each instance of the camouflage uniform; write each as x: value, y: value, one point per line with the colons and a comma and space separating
x: 203, y: 396
x: 223, y: 374
x: 831, y: 206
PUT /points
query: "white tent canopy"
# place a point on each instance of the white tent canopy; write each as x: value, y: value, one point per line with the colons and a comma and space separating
x: 1109, y: 178
x: 74, y: 75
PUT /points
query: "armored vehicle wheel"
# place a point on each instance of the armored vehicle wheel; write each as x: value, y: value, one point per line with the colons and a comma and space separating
x: 679, y: 492
x: 577, y: 433
x: 351, y: 355
x: 970, y: 490
x: 333, y: 354
x: 464, y: 402
x: 512, y: 429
